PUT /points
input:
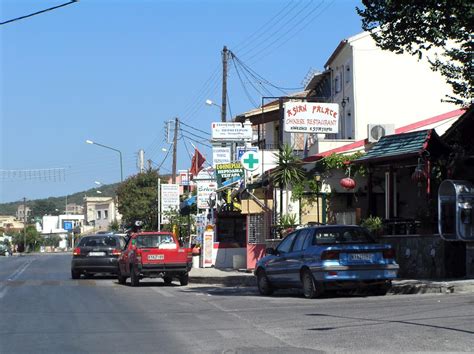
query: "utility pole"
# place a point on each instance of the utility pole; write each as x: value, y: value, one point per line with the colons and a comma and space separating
x: 225, y: 56
x: 175, y: 146
x: 24, y: 225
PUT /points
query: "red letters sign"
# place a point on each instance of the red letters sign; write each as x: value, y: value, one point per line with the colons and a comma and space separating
x: 310, y: 117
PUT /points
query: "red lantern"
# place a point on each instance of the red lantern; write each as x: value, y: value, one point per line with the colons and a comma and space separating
x: 347, y: 183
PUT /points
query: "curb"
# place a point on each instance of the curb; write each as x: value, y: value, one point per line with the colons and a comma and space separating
x: 399, y: 287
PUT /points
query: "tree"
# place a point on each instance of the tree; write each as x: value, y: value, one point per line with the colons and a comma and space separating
x: 289, y: 171
x: 33, y: 239
x: 417, y: 26
x: 138, y: 198
x: 43, y: 207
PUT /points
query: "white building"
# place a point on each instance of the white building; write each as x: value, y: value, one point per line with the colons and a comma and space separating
x: 100, y: 212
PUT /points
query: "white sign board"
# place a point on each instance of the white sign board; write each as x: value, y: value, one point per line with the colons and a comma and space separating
x: 311, y: 117
x: 169, y: 200
x: 220, y: 155
x: 204, y: 190
x: 231, y: 131
x: 250, y: 160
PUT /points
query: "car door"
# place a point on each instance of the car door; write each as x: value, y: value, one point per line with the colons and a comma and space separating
x: 124, y: 258
x: 295, y: 258
x: 276, y: 268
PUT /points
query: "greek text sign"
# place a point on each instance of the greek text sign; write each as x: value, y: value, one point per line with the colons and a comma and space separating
x: 169, y: 200
x: 220, y: 155
x: 228, y: 171
x: 310, y: 117
x: 231, y: 131
x: 204, y: 190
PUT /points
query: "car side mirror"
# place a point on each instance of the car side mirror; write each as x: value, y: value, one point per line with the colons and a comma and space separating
x: 270, y: 250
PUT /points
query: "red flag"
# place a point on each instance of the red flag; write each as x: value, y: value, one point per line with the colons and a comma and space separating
x: 198, y: 161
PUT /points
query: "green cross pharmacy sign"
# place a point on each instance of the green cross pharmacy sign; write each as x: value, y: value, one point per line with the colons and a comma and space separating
x: 250, y: 160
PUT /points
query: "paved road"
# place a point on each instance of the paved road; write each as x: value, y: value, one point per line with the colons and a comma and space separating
x: 43, y: 310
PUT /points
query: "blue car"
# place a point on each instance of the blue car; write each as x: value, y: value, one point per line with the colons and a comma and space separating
x: 331, y: 257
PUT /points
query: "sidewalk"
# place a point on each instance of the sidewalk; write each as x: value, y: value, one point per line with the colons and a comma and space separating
x: 232, y: 277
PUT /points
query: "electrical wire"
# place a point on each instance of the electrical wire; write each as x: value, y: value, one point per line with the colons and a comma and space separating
x: 190, y: 126
x: 197, y: 136
x: 244, y: 87
x: 38, y: 12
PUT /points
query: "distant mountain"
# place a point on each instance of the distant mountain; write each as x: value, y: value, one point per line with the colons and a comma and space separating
x: 107, y: 190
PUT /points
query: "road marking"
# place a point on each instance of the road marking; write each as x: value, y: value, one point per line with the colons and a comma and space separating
x: 162, y: 292
x: 14, y: 276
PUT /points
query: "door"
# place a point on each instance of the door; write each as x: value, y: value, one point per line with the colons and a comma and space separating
x: 295, y: 258
x: 276, y: 268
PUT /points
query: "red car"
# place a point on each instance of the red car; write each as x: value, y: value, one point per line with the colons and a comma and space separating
x: 154, y: 255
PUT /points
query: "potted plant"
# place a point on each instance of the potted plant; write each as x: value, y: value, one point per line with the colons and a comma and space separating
x: 374, y: 224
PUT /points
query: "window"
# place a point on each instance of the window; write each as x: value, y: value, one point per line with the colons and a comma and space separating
x: 285, y: 245
x: 158, y: 240
x: 342, y: 235
x: 99, y: 214
x: 324, y: 237
x: 337, y: 83
x: 106, y: 214
x: 300, y: 240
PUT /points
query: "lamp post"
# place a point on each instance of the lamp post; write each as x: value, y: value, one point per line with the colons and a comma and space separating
x: 110, y: 148
x: 212, y: 103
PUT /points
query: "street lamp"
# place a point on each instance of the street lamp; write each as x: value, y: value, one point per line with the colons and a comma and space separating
x: 111, y: 148
x: 212, y: 103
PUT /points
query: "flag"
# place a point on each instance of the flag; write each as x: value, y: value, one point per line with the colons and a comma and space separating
x: 197, y: 162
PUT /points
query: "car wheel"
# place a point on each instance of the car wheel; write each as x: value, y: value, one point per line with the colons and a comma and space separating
x: 75, y: 274
x: 121, y: 279
x: 264, y: 286
x: 134, y: 280
x: 381, y: 290
x: 184, y: 279
x: 311, y: 289
x: 167, y: 280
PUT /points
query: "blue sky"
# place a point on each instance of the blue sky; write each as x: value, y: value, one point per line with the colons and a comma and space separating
x: 115, y: 71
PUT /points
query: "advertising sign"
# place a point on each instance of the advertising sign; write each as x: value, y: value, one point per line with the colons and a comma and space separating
x: 242, y: 149
x: 310, y: 117
x: 231, y: 131
x: 184, y: 178
x: 250, y: 160
x: 169, y: 200
x: 208, y: 245
x: 227, y: 171
x: 67, y: 225
x: 220, y: 155
x: 204, y: 190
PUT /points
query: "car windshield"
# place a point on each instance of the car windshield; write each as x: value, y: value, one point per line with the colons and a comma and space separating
x: 157, y: 240
x: 98, y: 241
x: 342, y: 235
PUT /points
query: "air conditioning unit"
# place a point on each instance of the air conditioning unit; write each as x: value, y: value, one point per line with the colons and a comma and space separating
x: 376, y: 131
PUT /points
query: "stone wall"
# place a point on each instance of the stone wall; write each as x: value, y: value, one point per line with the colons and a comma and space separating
x: 419, y: 256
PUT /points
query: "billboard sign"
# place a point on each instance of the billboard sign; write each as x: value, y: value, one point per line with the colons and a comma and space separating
x: 311, y: 117
x: 231, y: 131
x: 204, y: 190
x: 242, y: 149
x: 220, y: 155
x: 228, y: 171
x: 169, y: 200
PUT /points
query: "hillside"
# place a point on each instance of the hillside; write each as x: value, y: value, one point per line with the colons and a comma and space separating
x: 107, y: 190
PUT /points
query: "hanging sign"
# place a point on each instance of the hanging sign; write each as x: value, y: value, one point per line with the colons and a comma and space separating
x: 231, y: 131
x: 310, y: 117
x: 250, y: 160
x: 228, y: 171
x: 169, y: 200
x: 207, y: 246
x: 220, y: 155
x: 242, y: 149
x: 204, y: 190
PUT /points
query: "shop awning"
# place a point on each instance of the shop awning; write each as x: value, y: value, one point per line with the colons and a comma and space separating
x: 403, y: 146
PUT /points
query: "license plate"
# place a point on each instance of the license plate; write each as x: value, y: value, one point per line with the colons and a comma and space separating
x: 95, y: 254
x: 153, y: 257
x: 361, y: 256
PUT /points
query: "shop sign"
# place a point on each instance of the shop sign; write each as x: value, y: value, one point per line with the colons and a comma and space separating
x: 243, y: 149
x: 220, y: 155
x: 204, y: 190
x: 169, y: 200
x: 231, y: 131
x: 311, y: 117
x: 250, y: 160
x: 207, y: 246
x: 227, y: 171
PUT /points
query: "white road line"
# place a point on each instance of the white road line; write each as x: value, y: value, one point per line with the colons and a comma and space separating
x: 162, y: 292
x: 14, y: 276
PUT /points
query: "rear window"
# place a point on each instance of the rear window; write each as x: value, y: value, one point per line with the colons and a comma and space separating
x: 99, y: 241
x: 343, y: 235
x: 150, y: 241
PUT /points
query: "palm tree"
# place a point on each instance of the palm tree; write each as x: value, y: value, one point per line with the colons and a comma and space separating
x: 288, y: 172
